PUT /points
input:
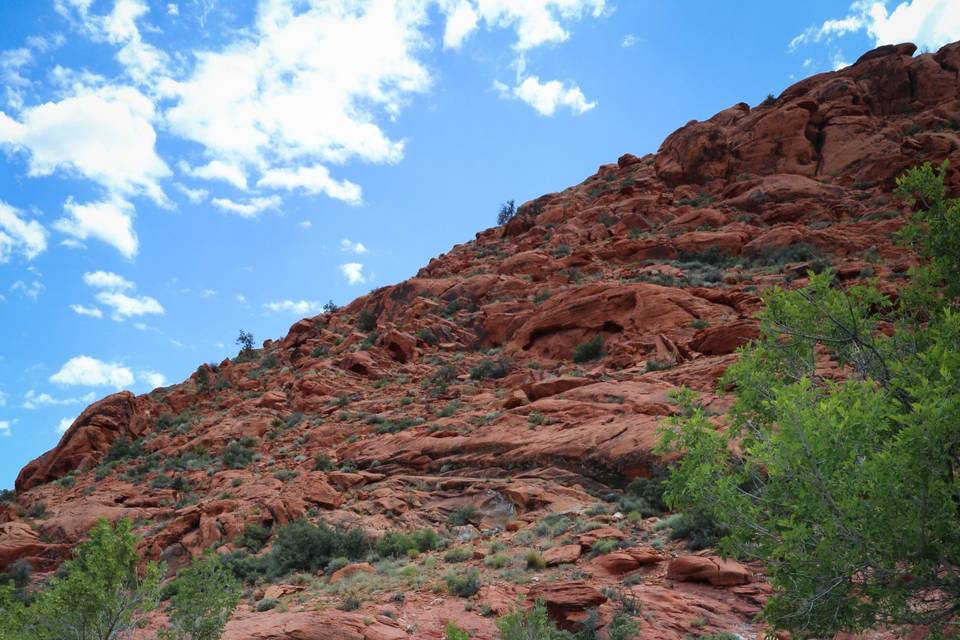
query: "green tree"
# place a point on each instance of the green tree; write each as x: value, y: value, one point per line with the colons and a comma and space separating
x: 206, y: 596
x: 844, y: 486
x: 98, y: 595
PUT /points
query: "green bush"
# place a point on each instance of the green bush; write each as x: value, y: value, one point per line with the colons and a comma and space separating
x: 366, y: 321
x: 589, y: 350
x: 121, y: 449
x: 534, y: 624
x: 462, y: 515
x: 301, y: 546
x: 238, y: 454
x: 322, y: 462
x: 206, y: 594
x: 458, y: 554
x: 491, y: 369
x: 254, y: 537
x: 267, y: 604
x: 453, y: 632
x: 395, y: 544
x: 463, y: 584
x: 535, y: 561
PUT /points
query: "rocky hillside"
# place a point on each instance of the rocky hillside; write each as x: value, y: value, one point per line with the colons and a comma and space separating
x: 509, y: 395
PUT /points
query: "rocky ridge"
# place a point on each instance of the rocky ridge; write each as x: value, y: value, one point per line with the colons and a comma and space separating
x: 508, y: 394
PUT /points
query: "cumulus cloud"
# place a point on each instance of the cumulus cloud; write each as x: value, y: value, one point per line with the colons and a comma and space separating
x: 64, y: 424
x: 628, y: 41
x: 196, y: 196
x: 93, y: 312
x: 27, y: 237
x: 352, y: 247
x: 218, y: 170
x: 104, y: 134
x: 248, y: 209
x: 305, y: 88
x: 125, y: 306
x: 34, y: 400
x: 110, y: 221
x: 536, y: 22
x: 313, y: 180
x: 113, y: 294
x: 927, y: 23
x: 300, y: 307
x: 106, y: 280
x: 152, y: 379
x: 353, y: 272
x: 5, y: 426
x: 461, y: 22
x: 90, y: 372
x: 547, y: 97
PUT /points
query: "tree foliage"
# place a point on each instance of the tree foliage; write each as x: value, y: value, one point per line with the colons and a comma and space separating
x: 838, y: 464
x: 98, y: 595
x: 206, y: 595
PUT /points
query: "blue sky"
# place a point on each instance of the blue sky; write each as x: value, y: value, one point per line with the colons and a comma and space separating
x: 173, y: 172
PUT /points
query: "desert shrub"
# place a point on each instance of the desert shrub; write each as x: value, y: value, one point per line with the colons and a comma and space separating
x: 458, y: 554
x: 463, y: 584
x: 491, y: 369
x: 301, y: 546
x: 395, y: 544
x: 453, y: 632
x: 589, y: 350
x: 122, y: 448
x: 266, y: 604
x: 238, y: 454
x: 534, y: 560
x: 366, y: 321
x: 322, y: 462
x: 462, y: 515
x: 534, y: 624
x: 350, y: 602
x: 507, y: 212
x: 651, y: 491
x: 427, y: 336
x: 623, y: 627
x: 254, y: 537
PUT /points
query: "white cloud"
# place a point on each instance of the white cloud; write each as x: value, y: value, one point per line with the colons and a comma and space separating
x: 109, y: 220
x: 34, y: 400
x: 242, y: 299
x: 353, y: 272
x: 93, y: 312
x: 26, y: 236
x: 173, y: 9
x: 208, y: 293
x: 927, y: 23
x: 461, y: 22
x: 352, y: 247
x: 64, y: 424
x: 106, y: 280
x: 5, y: 428
x: 125, y: 306
x: 104, y: 134
x: 90, y: 372
x: 536, y: 22
x: 218, y: 170
x: 31, y: 290
x: 313, y: 180
x: 306, y: 224
x: 547, y: 97
x: 628, y: 41
x: 306, y: 87
x: 153, y: 379
x: 300, y: 307
x: 196, y: 196
x: 249, y: 209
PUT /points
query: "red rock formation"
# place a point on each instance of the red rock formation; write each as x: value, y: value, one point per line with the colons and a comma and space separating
x: 466, y: 401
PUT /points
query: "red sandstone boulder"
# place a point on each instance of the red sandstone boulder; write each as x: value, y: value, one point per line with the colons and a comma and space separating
x: 716, y: 571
